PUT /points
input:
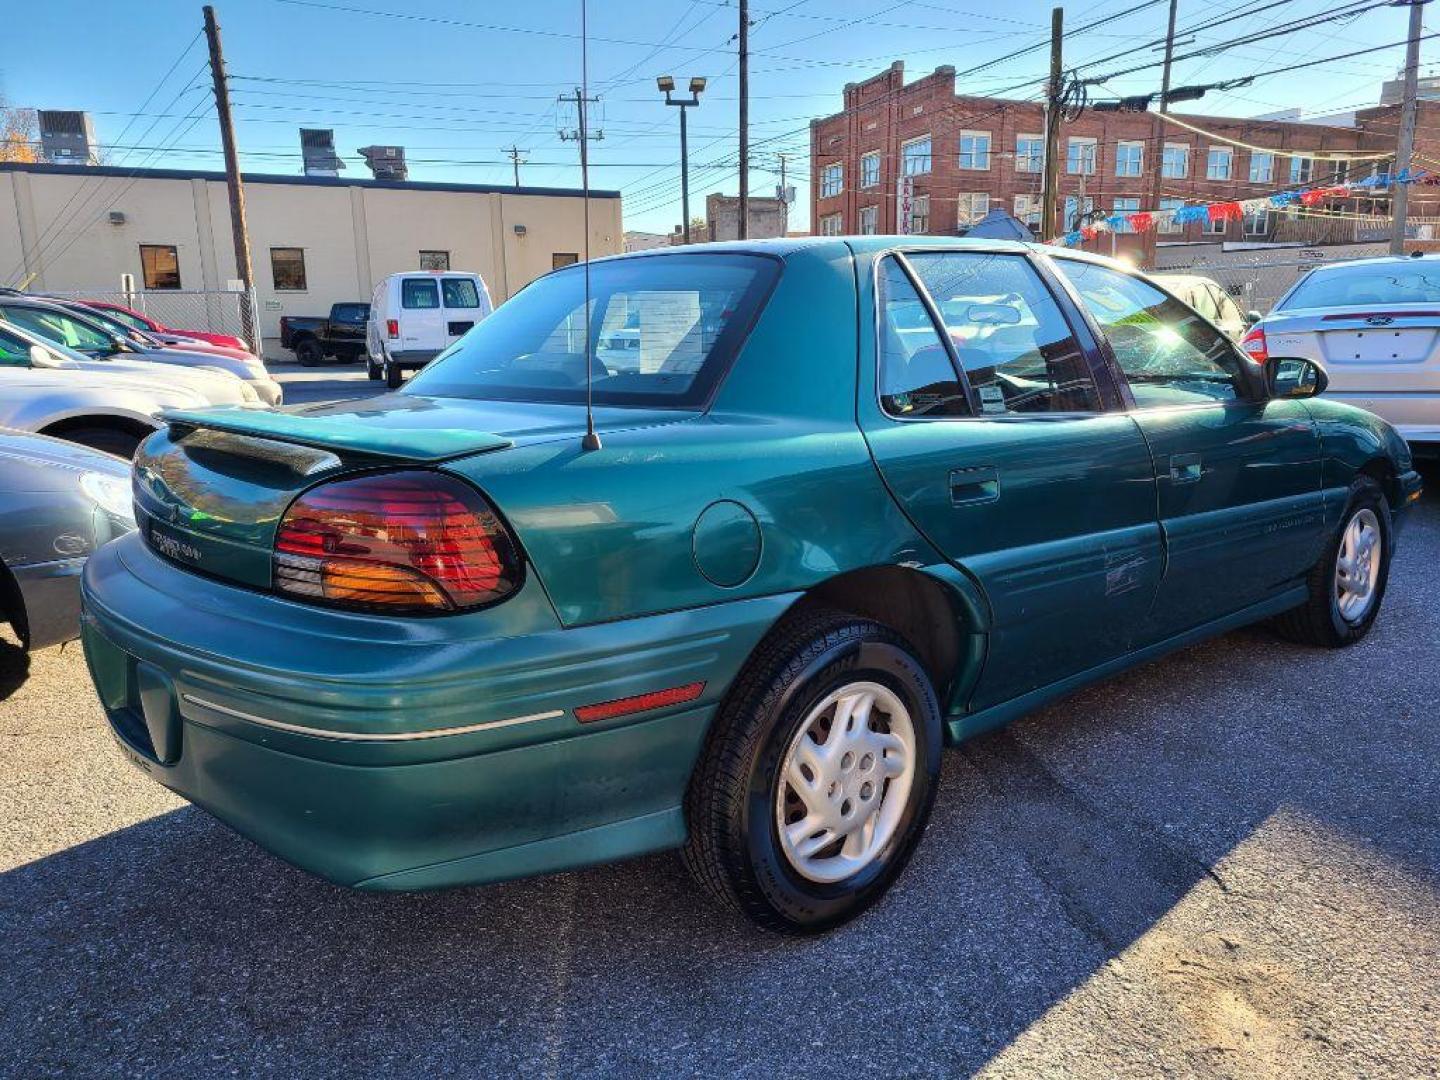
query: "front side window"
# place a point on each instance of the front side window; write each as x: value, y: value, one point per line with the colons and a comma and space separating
x: 436, y: 262
x: 1008, y: 331
x: 868, y: 216
x: 459, y: 292
x: 870, y: 169
x: 1217, y: 164
x: 662, y: 332
x: 973, y: 205
x: 14, y: 350
x: 1029, y: 153
x: 832, y: 179
x: 974, y: 150
x: 1129, y: 158
x: 916, y: 376
x: 1175, y: 162
x: 1080, y: 157
x: 915, y: 157
x: 1262, y: 167
x: 1169, y: 354
x: 160, y: 266
x: 60, y: 328
x: 1302, y: 169
x: 287, y: 269
x: 830, y: 225
x: 419, y: 294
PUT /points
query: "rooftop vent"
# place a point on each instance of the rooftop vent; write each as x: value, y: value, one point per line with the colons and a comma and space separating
x: 317, y: 147
x: 386, y: 162
x: 67, y: 137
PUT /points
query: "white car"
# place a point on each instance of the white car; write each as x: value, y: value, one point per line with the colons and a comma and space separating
x: 1209, y: 298
x: 417, y: 315
x: 45, y: 391
x: 1374, y: 324
x: 57, y: 324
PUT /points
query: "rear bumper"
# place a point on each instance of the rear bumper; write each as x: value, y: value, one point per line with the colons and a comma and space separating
x: 413, y: 357
x: 406, y: 753
x: 1416, y: 416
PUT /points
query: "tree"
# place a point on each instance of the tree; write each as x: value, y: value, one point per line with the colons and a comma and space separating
x: 19, y: 134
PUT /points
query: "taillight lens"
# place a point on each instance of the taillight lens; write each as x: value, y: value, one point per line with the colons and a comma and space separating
x: 392, y: 328
x: 1255, y: 346
x: 420, y: 542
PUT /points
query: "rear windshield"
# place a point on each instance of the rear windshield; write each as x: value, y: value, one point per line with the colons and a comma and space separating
x: 1376, y: 283
x: 356, y: 313
x: 663, y: 329
x: 419, y: 293
x: 460, y: 292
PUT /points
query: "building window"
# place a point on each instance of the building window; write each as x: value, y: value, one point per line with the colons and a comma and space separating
x: 1027, y: 209
x: 160, y: 266
x: 1341, y: 173
x: 1029, y: 153
x: 1080, y: 157
x: 870, y: 169
x: 1078, y: 213
x: 1168, y: 225
x: 868, y: 216
x: 974, y: 150
x: 1175, y: 161
x: 287, y: 269
x: 915, y: 157
x: 1217, y: 163
x: 1262, y: 167
x: 438, y: 261
x: 832, y: 179
x: 1301, y: 170
x: 971, y: 206
x: 563, y: 258
x: 1129, y: 158
x: 830, y: 225
x: 1214, y: 227
x: 1257, y: 223
x: 1126, y: 205
x: 920, y: 214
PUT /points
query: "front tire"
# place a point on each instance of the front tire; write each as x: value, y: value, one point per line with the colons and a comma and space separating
x: 818, y: 776
x: 1348, y: 584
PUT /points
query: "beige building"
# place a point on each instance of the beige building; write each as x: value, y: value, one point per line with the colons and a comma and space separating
x: 314, y: 241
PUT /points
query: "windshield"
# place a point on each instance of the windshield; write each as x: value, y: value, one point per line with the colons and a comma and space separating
x: 53, y: 324
x: 663, y: 329
x: 15, y: 350
x: 120, y: 329
x: 1367, y: 283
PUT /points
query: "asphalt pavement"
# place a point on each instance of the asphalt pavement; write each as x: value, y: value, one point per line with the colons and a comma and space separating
x: 329, y: 381
x: 1224, y: 863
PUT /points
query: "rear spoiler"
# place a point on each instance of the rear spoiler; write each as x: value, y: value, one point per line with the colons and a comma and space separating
x: 345, y: 433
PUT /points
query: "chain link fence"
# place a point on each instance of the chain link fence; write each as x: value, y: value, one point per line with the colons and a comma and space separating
x: 1255, y: 280
x: 218, y: 311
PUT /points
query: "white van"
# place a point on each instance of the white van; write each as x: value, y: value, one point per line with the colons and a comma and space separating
x: 414, y: 315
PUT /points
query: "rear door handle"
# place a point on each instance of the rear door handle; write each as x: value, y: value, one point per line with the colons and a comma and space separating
x: 1185, y: 468
x: 972, y: 487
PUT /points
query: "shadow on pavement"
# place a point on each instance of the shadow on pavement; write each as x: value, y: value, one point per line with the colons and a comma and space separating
x: 14, y: 667
x: 173, y: 947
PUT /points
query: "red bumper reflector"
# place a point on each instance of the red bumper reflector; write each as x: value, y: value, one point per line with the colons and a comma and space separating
x: 605, y: 710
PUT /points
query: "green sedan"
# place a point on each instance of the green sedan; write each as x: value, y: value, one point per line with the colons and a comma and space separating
x: 838, y: 503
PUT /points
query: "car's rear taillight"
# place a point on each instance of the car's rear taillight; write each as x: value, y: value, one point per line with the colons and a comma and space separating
x: 392, y: 328
x: 415, y: 541
x: 1255, y: 346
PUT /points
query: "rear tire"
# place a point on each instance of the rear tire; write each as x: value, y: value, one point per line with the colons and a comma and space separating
x: 393, y: 375
x: 308, y: 353
x: 1345, y: 599
x: 810, y: 677
x: 372, y: 369
x: 122, y: 444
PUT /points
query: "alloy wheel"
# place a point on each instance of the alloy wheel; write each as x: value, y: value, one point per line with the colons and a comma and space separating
x: 1357, y: 566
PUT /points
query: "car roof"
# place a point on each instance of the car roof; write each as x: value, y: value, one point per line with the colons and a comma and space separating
x: 826, y: 246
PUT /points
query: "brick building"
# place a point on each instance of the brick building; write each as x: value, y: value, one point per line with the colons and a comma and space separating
x: 970, y: 154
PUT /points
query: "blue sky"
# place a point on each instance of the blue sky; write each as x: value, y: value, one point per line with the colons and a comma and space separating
x: 456, y: 83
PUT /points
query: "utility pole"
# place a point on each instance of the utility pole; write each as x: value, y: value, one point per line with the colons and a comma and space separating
x: 1050, y: 179
x: 1157, y: 166
x: 784, y: 199
x: 514, y: 154
x: 1405, y: 146
x: 240, y: 231
x: 744, y: 119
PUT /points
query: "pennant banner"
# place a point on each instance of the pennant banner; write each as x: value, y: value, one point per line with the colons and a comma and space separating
x: 1234, y: 211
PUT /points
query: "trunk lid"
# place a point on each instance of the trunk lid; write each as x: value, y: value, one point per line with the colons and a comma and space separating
x: 210, y: 490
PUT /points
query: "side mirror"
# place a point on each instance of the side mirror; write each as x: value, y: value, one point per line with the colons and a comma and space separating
x: 1252, y: 317
x: 41, y: 357
x: 1294, y: 377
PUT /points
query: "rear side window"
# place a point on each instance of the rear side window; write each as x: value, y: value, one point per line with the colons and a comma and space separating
x: 419, y: 293
x: 1416, y: 282
x: 58, y: 327
x: 460, y: 292
x: 663, y: 330
x: 351, y: 313
x: 1008, y: 331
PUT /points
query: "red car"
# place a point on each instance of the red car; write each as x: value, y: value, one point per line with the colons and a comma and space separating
x: 144, y: 322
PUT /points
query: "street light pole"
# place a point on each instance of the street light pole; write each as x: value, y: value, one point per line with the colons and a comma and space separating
x: 666, y: 85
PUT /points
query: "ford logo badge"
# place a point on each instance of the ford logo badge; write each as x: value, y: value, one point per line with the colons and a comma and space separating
x: 1379, y: 320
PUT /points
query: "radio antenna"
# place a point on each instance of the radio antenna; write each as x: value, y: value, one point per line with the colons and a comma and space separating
x: 591, y: 441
